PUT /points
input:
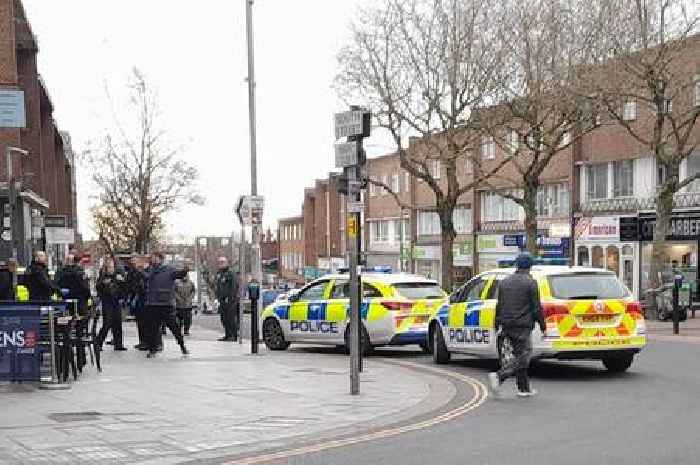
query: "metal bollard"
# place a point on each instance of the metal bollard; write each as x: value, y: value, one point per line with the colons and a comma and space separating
x: 53, y: 384
x: 677, y: 282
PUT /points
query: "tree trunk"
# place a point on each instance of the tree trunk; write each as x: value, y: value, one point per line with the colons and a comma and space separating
x: 664, y: 210
x: 448, y: 235
x: 530, y: 207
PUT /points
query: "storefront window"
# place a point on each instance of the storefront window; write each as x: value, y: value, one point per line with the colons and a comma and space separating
x: 598, y: 257
x: 613, y: 259
x: 583, y: 257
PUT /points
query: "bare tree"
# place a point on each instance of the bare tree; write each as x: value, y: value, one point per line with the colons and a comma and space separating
x: 538, y: 113
x: 422, y: 66
x: 138, y: 176
x: 648, y: 86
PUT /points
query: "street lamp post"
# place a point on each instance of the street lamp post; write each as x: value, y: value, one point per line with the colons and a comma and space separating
x: 256, y: 265
x: 11, y: 201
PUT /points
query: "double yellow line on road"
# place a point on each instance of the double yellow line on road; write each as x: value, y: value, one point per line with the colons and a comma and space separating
x: 480, y: 396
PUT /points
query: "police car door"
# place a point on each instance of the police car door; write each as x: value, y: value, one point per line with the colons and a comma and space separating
x: 464, y: 332
x: 304, y: 313
x: 337, y: 310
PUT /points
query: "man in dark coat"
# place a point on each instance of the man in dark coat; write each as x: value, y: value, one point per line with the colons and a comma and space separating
x: 110, y: 287
x: 160, y: 302
x: 7, y: 276
x: 73, y: 279
x: 136, y: 288
x: 227, y: 293
x: 517, y: 311
x: 38, y: 283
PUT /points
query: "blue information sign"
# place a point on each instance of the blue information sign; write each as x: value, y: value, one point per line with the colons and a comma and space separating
x: 19, y: 343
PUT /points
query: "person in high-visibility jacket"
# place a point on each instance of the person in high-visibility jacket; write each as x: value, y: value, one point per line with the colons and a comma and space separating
x: 39, y: 284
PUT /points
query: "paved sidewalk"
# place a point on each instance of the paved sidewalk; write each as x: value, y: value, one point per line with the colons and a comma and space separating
x: 689, y: 330
x: 218, y: 401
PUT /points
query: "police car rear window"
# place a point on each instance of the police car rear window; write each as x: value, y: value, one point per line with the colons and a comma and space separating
x: 584, y: 286
x: 420, y: 290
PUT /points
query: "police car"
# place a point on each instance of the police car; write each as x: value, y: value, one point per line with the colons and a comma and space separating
x: 395, y: 310
x: 589, y: 313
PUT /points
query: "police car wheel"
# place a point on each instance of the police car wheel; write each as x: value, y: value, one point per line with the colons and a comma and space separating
x: 618, y: 364
x: 439, y: 349
x: 505, y: 351
x: 273, y: 335
x: 366, y: 346
x: 425, y: 347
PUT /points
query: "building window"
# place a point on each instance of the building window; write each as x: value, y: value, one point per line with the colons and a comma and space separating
x: 488, y: 148
x: 462, y: 219
x: 623, y: 178
x: 398, y: 233
x: 629, y: 111
x: 597, y: 181
x: 434, y: 168
x: 385, y: 181
x: 553, y: 200
x: 396, y: 183
x: 380, y: 231
x: 693, y: 168
x: 697, y: 90
x: 513, y: 142
x: 407, y: 181
x: 428, y: 223
x: 499, y: 208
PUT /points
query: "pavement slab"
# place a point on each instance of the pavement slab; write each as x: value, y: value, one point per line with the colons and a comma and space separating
x: 218, y: 401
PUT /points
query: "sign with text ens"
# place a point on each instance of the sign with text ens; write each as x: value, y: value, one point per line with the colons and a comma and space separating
x: 352, y: 123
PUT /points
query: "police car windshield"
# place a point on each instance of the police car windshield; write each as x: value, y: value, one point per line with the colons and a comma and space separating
x: 420, y: 290
x: 587, y: 286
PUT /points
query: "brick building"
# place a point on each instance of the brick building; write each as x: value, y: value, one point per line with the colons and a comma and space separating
x: 45, y: 176
x: 292, y: 238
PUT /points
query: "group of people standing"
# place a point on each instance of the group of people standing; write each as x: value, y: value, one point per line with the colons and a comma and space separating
x: 158, y: 294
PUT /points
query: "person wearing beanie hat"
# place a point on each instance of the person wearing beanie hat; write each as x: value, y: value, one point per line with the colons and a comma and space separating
x: 517, y: 311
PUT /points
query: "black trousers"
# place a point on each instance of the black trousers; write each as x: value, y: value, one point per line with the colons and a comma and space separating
x: 156, y: 316
x: 111, y: 319
x: 184, y: 318
x: 518, y: 365
x: 229, y: 320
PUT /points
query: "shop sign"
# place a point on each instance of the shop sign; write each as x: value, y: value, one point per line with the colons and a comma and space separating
x: 547, y: 246
x: 629, y: 229
x: 560, y: 230
x: 430, y: 252
x: 598, y: 228
x: 682, y: 228
x: 490, y: 243
x: 462, y: 253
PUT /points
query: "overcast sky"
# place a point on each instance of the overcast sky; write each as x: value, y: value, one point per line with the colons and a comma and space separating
x: 194, y: 53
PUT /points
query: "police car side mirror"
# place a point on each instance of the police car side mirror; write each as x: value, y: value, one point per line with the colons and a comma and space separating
x: 293, y: 298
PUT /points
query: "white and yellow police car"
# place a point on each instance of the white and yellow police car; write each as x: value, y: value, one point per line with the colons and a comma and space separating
x: 589, y: 313
x: 395, y: 310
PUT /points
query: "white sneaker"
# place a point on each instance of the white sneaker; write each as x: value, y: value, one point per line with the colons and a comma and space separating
x: 494, y: 383
x: 530, y: 393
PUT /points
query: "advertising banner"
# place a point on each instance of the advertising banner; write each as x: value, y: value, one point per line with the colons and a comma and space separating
x: 19, y: 343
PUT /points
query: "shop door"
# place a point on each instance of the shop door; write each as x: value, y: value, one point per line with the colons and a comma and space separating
x: 627, y: 273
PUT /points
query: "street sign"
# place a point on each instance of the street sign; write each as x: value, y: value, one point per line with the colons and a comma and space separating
x: 55, y: 221
x: 356, y: 207
x: 12, y: 110
x: 346, y: 154
x: 64, y: 236
x: 250, y: 209
x: 352, y: 123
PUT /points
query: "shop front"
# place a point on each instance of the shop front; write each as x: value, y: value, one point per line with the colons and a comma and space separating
x: 495, y: 247
x: 427, y: 259
x: 610, y: 243
x: 680, y: 248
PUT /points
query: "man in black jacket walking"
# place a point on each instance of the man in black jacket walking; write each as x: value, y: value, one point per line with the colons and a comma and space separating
x: 517, y: 311
x: 160, y: 302
x: 73, y: 278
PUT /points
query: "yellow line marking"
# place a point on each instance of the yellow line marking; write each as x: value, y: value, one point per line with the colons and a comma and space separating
x: 480, y: 396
